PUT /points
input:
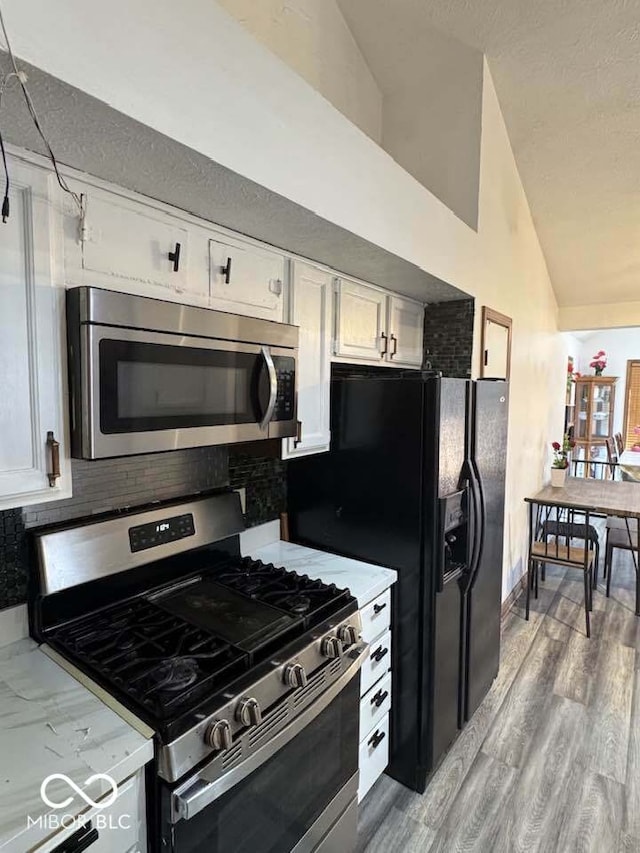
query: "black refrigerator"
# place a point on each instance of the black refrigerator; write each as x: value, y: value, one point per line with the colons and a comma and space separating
x: 414, y: 480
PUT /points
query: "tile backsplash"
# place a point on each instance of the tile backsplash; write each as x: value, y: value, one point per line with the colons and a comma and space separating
x: 448, y: 337
x: 114, y: 484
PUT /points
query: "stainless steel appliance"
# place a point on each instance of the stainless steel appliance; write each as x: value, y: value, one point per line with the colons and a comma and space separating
x: 148, y: 375
x: 247, y: 673
x: 415, y: 481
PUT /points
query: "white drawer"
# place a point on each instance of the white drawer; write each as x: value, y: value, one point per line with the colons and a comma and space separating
x: 376, y: 616
x: 374, y: 756
x: 376, y: 704
x: 377, y: 664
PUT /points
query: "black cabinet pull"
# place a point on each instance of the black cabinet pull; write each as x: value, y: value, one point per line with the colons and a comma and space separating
x: 379, y: 654
x: 395, y: 346
x: 376, y: 739
x: 385, y: 344
x: 79, y: 841
x: 379, y: 698
x: 226, y: 271
x: 175, y: 257
x: 378, y: 608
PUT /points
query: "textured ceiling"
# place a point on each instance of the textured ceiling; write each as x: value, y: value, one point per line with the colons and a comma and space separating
x: 567, y: 73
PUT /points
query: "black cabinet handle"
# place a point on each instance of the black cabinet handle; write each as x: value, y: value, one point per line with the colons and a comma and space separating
x: 385, y: 344
x: 79, y: 841
x: 226, y: 271
x: 395, y: 346
x: 175, y: 257
x: 379, y: 698
x: 376, y: 739
x: 379, y: 654
x: 378, y: 608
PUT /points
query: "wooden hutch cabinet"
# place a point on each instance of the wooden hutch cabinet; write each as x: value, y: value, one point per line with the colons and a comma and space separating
x: 594, y: 407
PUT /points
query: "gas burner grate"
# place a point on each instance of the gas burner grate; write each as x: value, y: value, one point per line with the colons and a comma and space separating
x: 297, y: 594
x: 154, y: 657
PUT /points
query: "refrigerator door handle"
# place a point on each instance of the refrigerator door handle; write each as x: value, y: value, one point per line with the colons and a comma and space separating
x: 479, y: 524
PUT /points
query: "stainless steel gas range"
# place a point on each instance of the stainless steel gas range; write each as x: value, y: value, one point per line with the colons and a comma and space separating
x: 247, y: 673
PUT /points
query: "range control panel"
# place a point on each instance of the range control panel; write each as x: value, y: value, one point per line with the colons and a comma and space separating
x: 160, y: 532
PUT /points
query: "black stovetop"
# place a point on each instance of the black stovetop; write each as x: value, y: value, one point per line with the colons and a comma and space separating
x: 166, y: 652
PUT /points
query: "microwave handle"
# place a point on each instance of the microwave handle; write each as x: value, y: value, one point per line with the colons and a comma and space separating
x: 273, y: 387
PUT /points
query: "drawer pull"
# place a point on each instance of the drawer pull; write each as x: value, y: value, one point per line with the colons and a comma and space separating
x: 379, y: 654
x: 379, y: 698
x: 378, y: 608
x: 376, y: 739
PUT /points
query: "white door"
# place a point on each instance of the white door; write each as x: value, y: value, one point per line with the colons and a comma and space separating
x: 406, y: 325
x: 246, y: 278
x: 32, y: 362
x: 137, y: 249
x: 360, y: 321
x: 311, y: 312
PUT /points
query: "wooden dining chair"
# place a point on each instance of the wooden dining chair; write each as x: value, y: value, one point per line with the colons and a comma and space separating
x: 580, y: 530
x: 560, y: 550
x: 622, y: 534
x: 619, y: 443
x: 612, y: 457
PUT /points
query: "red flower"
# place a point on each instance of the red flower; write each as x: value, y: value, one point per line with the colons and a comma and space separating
x: 602, y: 352
x: 556, y: 445
x: 570, y: 368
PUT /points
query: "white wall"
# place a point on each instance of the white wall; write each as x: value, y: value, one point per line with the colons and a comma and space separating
x: 228, y: 97
x: 620, y: 345
x: 311, y: 36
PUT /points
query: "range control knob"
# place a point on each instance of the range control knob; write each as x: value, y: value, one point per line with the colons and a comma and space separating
x: 218, y: 735
x: 294, y: 675
x: 348, y: 635
x: 331, y: 647
x: 248, y: 712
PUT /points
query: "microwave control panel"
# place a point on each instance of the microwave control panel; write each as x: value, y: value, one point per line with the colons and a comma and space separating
x: 160, y: 532
x: 286, y: 397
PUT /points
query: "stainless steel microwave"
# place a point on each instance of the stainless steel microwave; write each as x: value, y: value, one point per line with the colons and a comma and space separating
x: 148, y: 375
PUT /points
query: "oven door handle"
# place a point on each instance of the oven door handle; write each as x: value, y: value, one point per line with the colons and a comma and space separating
x: 273, y: 387
x: 198, y: 792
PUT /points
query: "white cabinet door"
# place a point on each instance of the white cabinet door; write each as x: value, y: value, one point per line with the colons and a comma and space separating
x: 32, y: 362
x: 126, y: 246
x: 311, y: 310
x: 360, y: 321
x: 405, y: 326
x: 246, y: 278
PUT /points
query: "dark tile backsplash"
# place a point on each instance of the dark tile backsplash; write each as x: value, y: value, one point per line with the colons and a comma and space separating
x: 264, y: 478
x: 104, y: 485
x: 448, y: 337
x: 107, y: 485
x: 13, y: 573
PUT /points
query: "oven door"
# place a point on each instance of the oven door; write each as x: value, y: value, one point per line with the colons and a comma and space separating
x: 300, y: 796
x: 145, y: 392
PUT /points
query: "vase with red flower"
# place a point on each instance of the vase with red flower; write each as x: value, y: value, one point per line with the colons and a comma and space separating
x: 599, y: 362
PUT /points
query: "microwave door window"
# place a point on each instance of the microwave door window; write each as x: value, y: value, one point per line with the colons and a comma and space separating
x: 155, y: 386
x: 148, y: 390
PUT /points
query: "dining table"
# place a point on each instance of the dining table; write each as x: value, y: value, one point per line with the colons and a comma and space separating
x: 600, y: 497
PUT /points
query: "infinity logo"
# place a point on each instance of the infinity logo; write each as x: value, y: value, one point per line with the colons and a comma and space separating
x: 101, y: 805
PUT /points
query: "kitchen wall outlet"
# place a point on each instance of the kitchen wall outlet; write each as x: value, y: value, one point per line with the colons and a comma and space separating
x: 243, y: 499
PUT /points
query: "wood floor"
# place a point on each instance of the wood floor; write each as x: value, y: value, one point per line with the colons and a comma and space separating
x: 551, y: 759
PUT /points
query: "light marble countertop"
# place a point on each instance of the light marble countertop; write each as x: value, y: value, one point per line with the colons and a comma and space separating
x: 50, y: 723
x: 364, y: 580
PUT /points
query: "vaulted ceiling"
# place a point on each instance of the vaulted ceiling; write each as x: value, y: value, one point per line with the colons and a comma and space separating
x: 567, y: 73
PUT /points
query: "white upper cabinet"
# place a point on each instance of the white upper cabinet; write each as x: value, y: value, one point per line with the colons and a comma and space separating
x: 32, y: 362
x: 360, y: 321
x: 406, y: 329
x: 311, y: 294
x: 247, y: 278
x: 135, y: 248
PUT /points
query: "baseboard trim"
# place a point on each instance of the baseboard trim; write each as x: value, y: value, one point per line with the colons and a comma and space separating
x: 513, y: 596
